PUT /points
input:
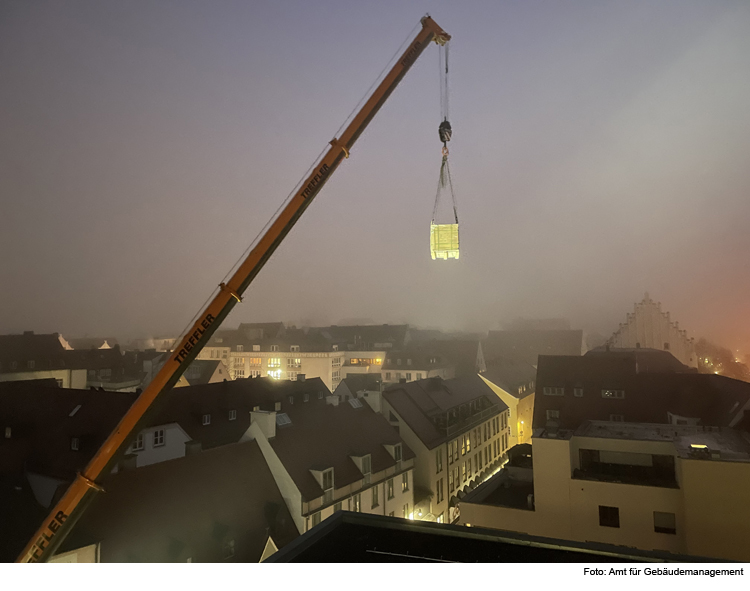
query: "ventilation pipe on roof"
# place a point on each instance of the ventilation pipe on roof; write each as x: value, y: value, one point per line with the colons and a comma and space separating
x: 300, y: 377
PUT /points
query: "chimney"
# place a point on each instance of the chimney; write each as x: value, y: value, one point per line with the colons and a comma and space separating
x: 402, y: 380
x: 300, y: 377
x: 129, y: 462
x: 193, y: 447
x: 552, y: 428
x: 266, y: 421
x: 332, y: 399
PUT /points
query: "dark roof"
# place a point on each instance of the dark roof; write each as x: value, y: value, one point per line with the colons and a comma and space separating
x: 91, y: 342
x: 200, y: 371
x: 416, y: 358
x: 360, y: 537
x: 421, y: 401
x: 188, y: 507
x: 44, y: 350
x: 40, y: 415
x: 307, y: 342
x: 262, y: 330
x: 646, y: 360
x: 370, y: 337
x: 526, y: 345
x: 649, y: 395
x: 361, y: 382
x: 20, y: 516
x: 515, y: 377
x: 338, y: 432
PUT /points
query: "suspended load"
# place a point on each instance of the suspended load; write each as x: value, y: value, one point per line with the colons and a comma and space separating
x: 444, y: 237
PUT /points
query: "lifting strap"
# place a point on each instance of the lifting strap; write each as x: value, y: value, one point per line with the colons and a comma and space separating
x: 445, y: 132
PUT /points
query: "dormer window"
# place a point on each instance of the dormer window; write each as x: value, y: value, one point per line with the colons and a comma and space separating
x: 328, y: 485
x: 206, y: 420
x: 397, y: 452
x: 240, y: 348
x: 13, y: 365
x: 277, y: 406
x: 367, y: 468
x: 256, y: 348
x: 291, y: 400
x: 232, y: 415
x: 398, y: 361
x: 30, y: 364
x: 408, y: 362
x: 274, y: 348
x: 335, y: 347
x: 294, y: 348
x: 75, y: 443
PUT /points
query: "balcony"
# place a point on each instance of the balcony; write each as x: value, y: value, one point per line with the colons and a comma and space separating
x: 623, y: 474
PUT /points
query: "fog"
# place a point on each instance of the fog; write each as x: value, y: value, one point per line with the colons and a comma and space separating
x: 599, y: 152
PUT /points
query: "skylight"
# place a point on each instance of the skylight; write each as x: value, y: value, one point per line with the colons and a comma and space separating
x: 355, y: 403
x: 283, y: 419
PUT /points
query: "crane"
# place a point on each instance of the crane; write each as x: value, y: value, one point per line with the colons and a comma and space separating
x: 86, y: 485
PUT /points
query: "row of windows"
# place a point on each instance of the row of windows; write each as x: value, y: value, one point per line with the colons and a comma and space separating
x: 470, y: 468
x: 355, y: 501
x: 664, y: 522
x: 408, y: 375
x: 578, y: 392
x: 555, y: 414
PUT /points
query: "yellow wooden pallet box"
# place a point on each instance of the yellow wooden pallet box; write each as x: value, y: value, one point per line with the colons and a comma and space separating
x: 444, y: 241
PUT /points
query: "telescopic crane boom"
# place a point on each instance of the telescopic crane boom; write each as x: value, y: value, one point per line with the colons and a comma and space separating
x: 86, y: 484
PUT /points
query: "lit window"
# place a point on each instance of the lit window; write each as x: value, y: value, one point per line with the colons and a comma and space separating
x: 232, y: 415
x: 356, y: 503
x: 405, y: 482
x: 206, y: 420
x: 274, y: 362
x: 158, y: 437
x: 390, y: 489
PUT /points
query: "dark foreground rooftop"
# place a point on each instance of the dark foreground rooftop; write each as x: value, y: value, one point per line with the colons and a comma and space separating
x: 359, y: 537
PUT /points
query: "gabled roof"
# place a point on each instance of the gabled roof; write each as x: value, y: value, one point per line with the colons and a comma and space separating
x: 200, y: 371
x: 41, y: 415
x: 188, y: 507
x: 338, y: 432
x: 369, y: 337
x: 527, y: 345
x: 651, y: 391
x: 92, y: 343
x: 307, y: 342
x: 359, y: 382
x: 44, y: 350
x: 515, y: 377
x: 419, y: 401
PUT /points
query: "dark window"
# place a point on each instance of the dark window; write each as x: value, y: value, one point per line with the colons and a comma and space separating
x: 609, y: 516
x: 664, y: 523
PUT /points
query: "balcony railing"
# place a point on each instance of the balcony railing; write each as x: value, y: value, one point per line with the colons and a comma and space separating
x: 471, y: 421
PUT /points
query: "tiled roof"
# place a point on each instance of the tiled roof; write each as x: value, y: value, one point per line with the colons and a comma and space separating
x: 515, y: 377
x: 338, y: 432
x: 369, y: 337
x: 527, y: 345
x: 42, y: 415
x: 417, y: 402
x: 651, y: 391
x: 188, y: 507
x: 44, y: 350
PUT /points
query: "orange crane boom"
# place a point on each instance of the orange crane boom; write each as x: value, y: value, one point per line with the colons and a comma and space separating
x: 85, y: 486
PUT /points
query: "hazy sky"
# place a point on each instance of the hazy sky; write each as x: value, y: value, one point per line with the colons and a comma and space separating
x: 600, y: 151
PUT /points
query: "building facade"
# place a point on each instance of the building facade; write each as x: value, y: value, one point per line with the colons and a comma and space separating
x: 649, y: 327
